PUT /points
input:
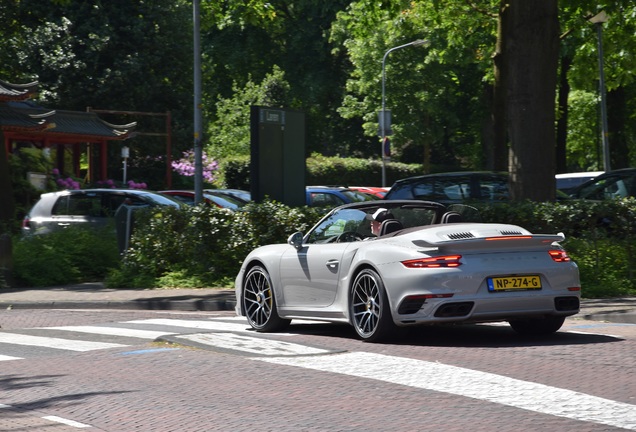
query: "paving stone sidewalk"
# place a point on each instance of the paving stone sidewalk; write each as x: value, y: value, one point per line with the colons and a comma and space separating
x: 96, y: 296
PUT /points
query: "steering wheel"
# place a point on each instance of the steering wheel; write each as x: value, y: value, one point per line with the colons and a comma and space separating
x: 349, y: 236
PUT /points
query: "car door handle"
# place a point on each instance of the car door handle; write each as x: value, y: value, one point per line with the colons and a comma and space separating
x: 332, y: 264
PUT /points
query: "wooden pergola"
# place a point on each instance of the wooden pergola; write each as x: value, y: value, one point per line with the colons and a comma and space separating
x: 25, y: 123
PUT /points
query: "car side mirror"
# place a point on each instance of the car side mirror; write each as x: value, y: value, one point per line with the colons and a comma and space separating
x: 296, y: 240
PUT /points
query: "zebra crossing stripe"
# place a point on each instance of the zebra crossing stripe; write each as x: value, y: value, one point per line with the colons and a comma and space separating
x: 6, y: 357
x: 56, y: 343
x: 196, y: 324
x: 111, y: 331
x: 472, y: 384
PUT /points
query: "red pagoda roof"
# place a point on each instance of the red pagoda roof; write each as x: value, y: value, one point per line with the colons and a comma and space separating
x: 9, y: 91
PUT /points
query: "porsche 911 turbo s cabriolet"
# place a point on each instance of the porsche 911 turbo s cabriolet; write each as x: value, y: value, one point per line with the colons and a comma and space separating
x: 380, y: 265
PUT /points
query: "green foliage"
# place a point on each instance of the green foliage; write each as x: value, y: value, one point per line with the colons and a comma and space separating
x: 605, y: 265
x: 600, y: 237
x: 323, y: 170
x: 203, y: 246
x: 230, y: 133
x: 67, y: 256
x: 235, y: 172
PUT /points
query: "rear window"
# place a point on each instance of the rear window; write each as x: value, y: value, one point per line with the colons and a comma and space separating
x: 453, y: 188
x: 78, y: 205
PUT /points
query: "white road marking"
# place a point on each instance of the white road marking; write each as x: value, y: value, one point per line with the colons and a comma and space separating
x: 196, y: 324
x: 67, y: 422
x: 112, y: 331
x: 253, y: 345
x: 214, y: 325
x: 57, y: 343
x: 473, y: 384
x: 6, y: 357
x: 56, y: 419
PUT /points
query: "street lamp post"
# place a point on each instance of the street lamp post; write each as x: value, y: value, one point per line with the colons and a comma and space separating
x: 198, y: 143
x: 598, y: 20
x: 385, y: 117
x: 125, y: 153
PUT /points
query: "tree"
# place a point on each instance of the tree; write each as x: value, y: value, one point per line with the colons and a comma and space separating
x: 436, y: 94
x: 230, y: 133
x: 531, y: 45
x: 115, y: 55
x: 242, y: 41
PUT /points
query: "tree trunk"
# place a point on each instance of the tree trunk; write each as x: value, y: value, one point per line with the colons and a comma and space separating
x: 499, y: 121
x: 531, y: 44
x: 7, y: 218
x: 7, y: 206
x: 562, y: 121
x: 617, y: 118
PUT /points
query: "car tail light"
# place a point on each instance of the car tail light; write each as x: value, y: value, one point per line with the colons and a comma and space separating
x: 559, y: 255
x: 25, y: 222
x: 434, y: 262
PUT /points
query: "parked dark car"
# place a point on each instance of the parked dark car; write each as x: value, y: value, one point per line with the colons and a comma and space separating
x: 567, y: 182
x: 619, y: 183
x: 94, y: 207
x: 452, y: 187
x: 327, y: 196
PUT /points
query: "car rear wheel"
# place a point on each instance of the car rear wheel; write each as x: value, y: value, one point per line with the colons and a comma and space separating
x: 537, y: 326
x: 369, y: 307
x: 259, y: 303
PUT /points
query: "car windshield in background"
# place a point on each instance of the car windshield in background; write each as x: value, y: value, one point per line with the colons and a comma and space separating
x: 567, y: 182
x: 613, y: 184
x: 452, y: 187
x: 324, y: 196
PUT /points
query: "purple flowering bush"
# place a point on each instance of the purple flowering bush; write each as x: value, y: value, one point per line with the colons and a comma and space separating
x: 185, y: 166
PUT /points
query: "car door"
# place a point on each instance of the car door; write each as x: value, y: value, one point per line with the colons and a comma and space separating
x: 310, y: 275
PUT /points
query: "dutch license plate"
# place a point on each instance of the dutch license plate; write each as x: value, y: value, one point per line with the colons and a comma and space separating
x: 514, y: 283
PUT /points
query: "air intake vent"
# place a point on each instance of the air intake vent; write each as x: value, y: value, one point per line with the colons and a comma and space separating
x: 511, y: 233
x: 460, y: 235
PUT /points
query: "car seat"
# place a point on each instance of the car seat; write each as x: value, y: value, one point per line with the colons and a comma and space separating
x: 451, y: 217
x: 390, y: 225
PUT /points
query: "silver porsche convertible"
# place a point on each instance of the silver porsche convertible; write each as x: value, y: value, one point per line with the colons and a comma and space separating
x: 381, y: 265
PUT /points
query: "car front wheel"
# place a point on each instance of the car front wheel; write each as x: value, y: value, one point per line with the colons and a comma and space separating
x: 537, y: 326
x: 369, y: 307
x: 259, y: 303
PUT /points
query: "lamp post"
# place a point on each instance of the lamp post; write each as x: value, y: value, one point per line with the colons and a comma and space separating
x: 385, y: 116
x: 198, y: 144
x: 598, y: 20
x: 125, y: 153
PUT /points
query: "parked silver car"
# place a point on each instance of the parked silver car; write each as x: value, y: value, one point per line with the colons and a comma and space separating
x: 96, y: 207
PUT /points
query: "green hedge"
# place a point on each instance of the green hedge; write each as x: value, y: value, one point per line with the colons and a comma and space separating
x: 323, y: 170
x: 204, y: 247
x: 67, y: 256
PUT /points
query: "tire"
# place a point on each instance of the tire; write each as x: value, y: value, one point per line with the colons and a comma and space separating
x: 259, y: 303
x: 537, y: 326
x: 369, y: 308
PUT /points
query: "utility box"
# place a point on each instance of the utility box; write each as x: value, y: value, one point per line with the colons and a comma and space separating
x: 277, y: 165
